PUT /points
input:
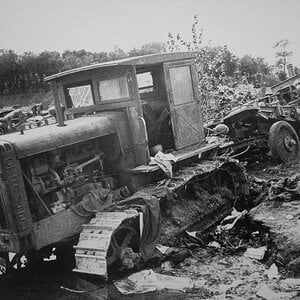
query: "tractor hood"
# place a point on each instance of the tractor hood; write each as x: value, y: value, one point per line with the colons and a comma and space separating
x: 51, y: 137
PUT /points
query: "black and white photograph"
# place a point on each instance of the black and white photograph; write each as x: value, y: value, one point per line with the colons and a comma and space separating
x: 149, y: 149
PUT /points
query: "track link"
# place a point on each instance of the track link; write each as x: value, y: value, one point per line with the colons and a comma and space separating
x: 95, y: 240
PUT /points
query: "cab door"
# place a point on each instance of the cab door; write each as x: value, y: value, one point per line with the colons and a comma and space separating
x: 183, y: 96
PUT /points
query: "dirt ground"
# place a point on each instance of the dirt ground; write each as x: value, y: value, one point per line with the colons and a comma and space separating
x: 221, y: 269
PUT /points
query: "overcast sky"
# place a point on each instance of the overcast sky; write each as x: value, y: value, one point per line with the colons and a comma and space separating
x: 247, y: 27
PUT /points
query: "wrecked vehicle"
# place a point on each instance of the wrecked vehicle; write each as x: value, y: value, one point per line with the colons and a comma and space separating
x: 72, y: 178
x: 270, y: 123
x: 17, y: 120
x: 11, y: 120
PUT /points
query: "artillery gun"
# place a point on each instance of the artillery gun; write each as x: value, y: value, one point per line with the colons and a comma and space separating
x: 63, y: 184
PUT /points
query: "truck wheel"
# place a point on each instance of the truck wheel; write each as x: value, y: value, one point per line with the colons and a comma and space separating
x: 284, y: 142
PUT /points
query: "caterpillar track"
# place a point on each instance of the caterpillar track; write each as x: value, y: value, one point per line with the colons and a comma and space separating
x: 104, y: 240
x: 100, y: 244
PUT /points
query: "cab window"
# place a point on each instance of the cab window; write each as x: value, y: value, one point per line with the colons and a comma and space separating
x: 145, y: 82
x: 182, y: 86
x: 79, y: 96
x: 113, y: 89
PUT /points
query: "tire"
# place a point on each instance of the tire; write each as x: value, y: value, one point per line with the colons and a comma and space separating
x: 284, y: 142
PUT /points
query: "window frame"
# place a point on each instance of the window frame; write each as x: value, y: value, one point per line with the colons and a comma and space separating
x: 194, y: 99
x: 78, y: 84
x: 97, y: 80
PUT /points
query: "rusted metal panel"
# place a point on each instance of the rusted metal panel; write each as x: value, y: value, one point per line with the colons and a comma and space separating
x: 136, y: 122
x: 96, y: 93
x: 11, y: 175
x: 51, y: 137
x: 86, y: 77
x: 61, y: 95
x: 59, y: 114
x: 139, y: 135
x: 57, y: 227
x: 14, y: 203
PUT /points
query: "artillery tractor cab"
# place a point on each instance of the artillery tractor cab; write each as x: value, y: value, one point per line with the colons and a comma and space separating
x: 154, y: 101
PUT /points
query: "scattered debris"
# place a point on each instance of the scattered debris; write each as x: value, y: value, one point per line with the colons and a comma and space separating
x: 272, y: 272
x: 291, y: 284
x: 166, y: 266
x: 192, y: 234
x: 129, y: 258
x: 266, y: 293
x: 72, y: 291
x: 149, y: 281
x: 164, y: 161
x: 257, y: 253
x: 214, y: 244
x: 285, y: 189
x: 225, y: 287
x: 162, y: 249
x: 278, y: 212
x: 230, y: 221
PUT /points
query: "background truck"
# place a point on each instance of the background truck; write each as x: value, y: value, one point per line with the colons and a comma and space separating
x: 67, y: 179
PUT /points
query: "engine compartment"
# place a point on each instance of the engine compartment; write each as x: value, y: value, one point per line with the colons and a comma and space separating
x: 57, y: 179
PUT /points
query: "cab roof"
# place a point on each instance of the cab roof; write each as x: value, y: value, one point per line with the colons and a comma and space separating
x: 145, y: 60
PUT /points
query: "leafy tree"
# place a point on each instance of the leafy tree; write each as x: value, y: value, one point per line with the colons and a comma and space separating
x: 117, y: 53
x: 148, y: 48
x: 254, y: 69
x: 28, y: 71
x: 100, y: 57
x: 269, y: 80
x: 73, y: 59
x: 47, y: 63
x: 252, y: 66
x: 8, y: 70
x: 220, y: 80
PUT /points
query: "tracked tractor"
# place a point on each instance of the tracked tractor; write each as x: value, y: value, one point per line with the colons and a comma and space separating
x: 118, y: 124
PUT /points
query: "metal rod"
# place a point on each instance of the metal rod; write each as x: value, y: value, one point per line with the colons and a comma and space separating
x: 37, y: 195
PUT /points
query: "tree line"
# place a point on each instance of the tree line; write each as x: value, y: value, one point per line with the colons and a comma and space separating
x: 25, y: 73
